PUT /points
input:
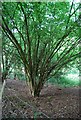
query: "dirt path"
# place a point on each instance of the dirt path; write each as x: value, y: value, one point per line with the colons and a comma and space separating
x: 54, y: 102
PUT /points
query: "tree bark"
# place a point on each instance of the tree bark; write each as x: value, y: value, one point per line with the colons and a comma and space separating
x: 34, y: 89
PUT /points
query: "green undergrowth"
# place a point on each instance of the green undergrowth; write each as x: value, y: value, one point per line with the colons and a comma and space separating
x: 64, y: 82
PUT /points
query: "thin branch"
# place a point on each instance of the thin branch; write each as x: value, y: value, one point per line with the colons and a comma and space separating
x: 15, y: 42
x: 29, y: 43
x: 69, y: 15
x: 58, y: 45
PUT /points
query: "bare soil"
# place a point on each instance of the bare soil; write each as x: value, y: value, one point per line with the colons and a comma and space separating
x: 54, y: 102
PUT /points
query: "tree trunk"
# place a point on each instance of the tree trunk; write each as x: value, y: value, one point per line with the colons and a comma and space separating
x: 35, y: 93
x: 34, y: 90
x: 34, y: 87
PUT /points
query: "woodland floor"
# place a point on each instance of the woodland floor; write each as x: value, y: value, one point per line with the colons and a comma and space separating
x: 52, y: 103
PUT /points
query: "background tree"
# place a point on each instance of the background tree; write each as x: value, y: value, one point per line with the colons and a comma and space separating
x: 11, y: 62
x: 46, y: 36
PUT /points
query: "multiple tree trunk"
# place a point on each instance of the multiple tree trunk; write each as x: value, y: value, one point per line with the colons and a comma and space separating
x: 37, y: 59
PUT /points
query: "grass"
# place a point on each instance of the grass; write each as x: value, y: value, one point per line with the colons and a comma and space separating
x: 64, y: 82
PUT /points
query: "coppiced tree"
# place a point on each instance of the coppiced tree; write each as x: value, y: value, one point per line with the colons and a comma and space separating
x: 46, y: 36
